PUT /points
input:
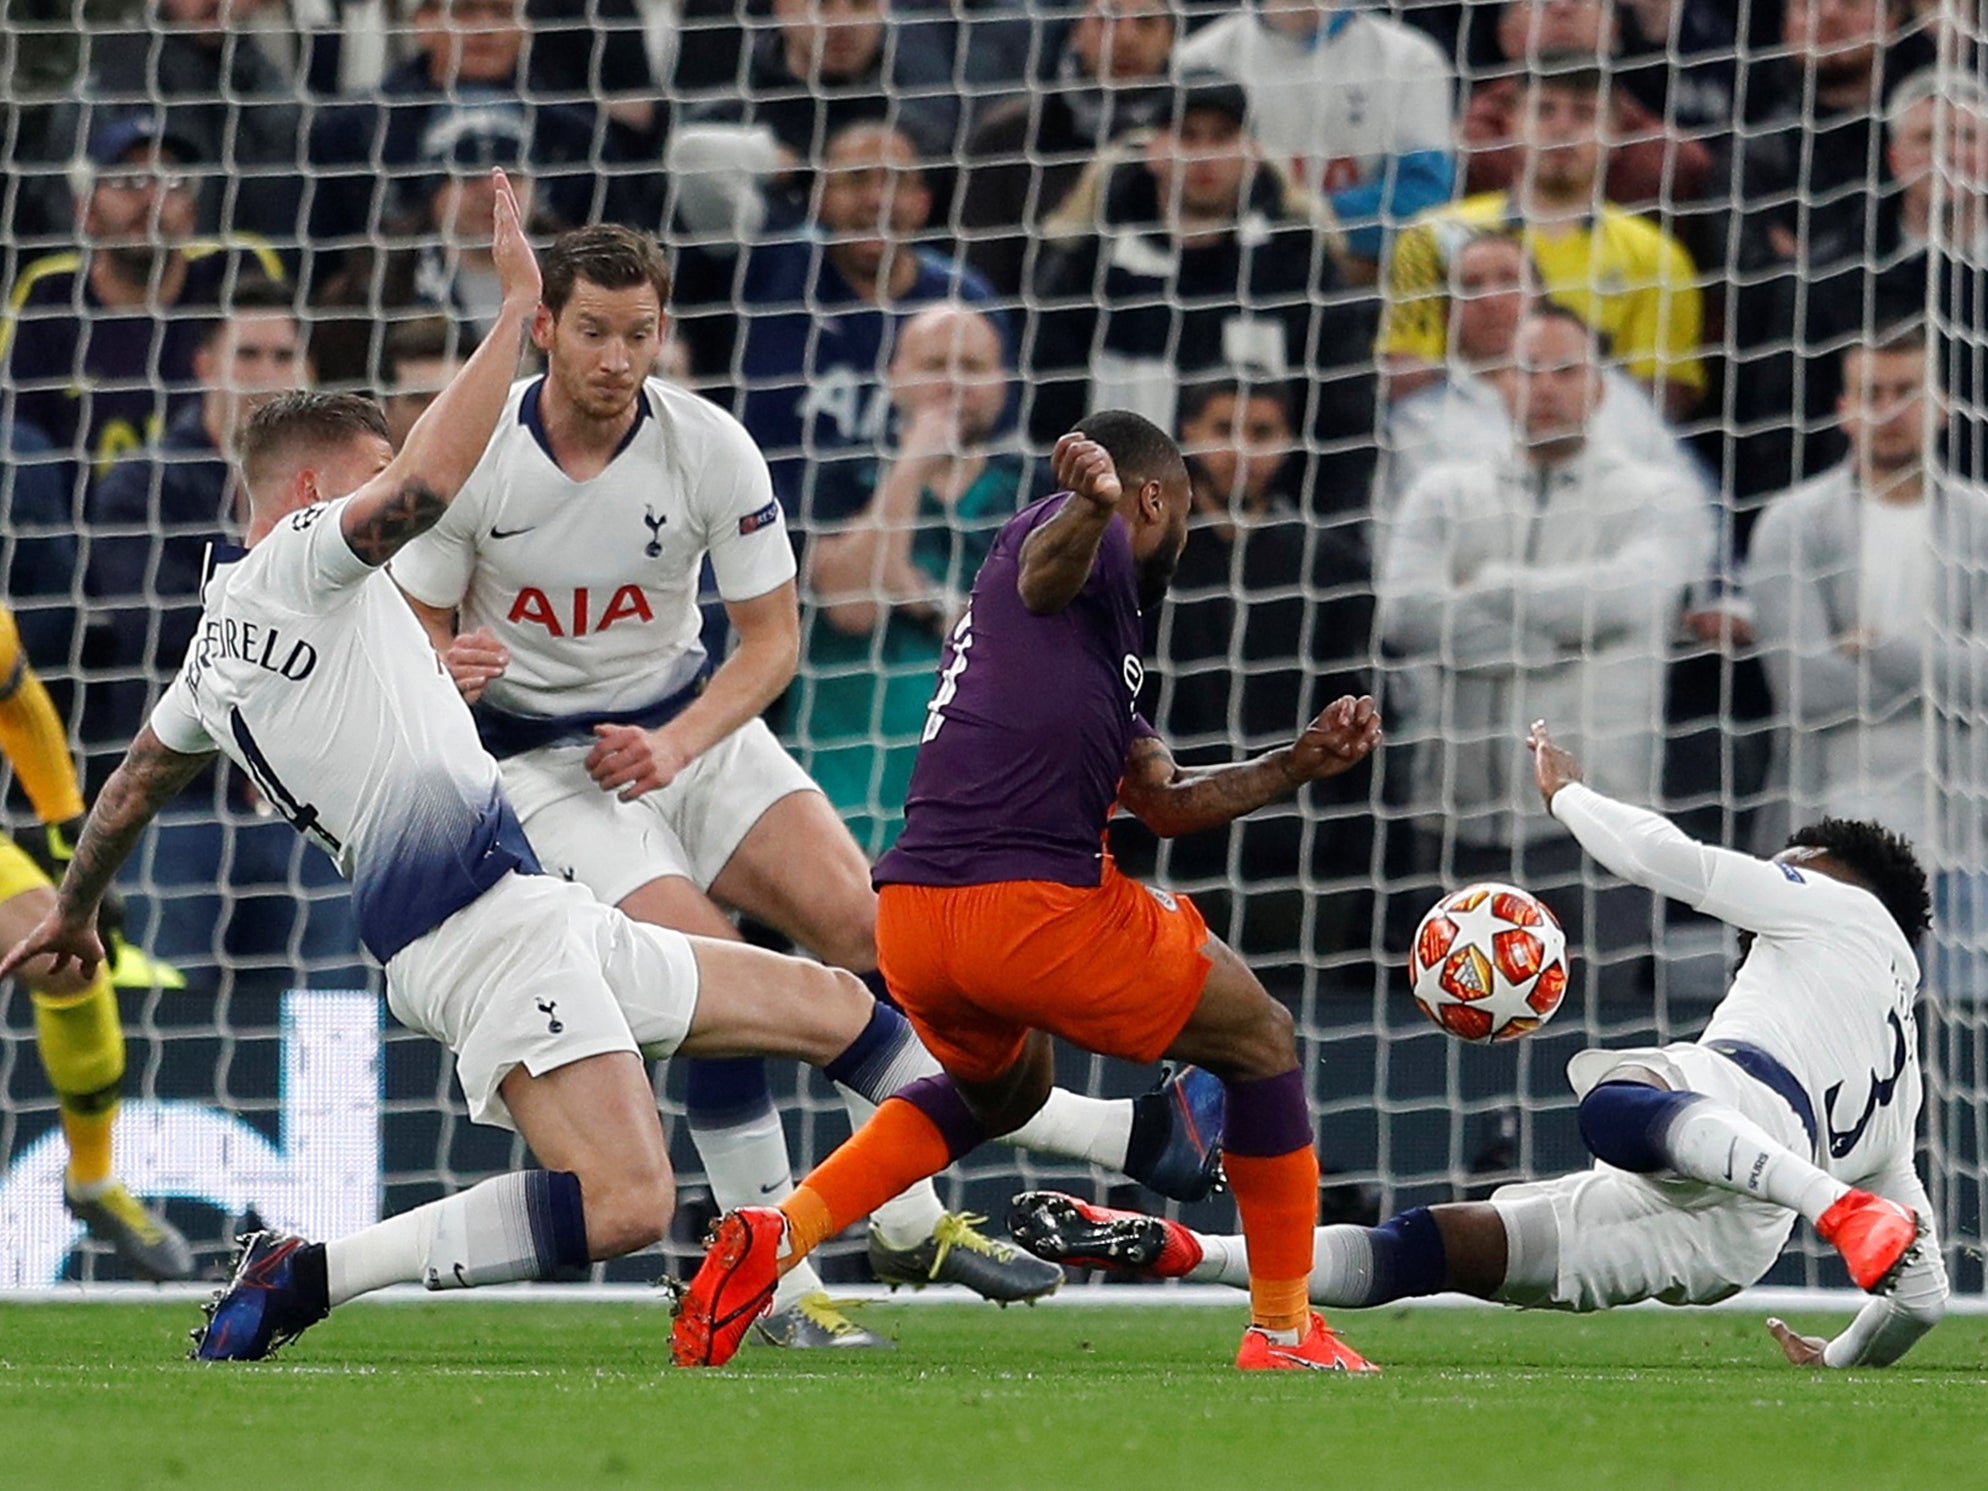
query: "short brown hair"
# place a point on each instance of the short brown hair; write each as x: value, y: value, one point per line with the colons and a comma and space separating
x: 605, y: 254
x: 305, y: 424
x: 424, y: 339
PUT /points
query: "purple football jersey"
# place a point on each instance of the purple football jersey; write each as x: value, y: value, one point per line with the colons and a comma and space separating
x: 1026, y: 735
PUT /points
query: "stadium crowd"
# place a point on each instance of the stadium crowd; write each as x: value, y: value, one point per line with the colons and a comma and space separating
x: 1490, y: 329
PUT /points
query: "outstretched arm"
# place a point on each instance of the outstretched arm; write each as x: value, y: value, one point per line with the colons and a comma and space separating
x: 1172, y: 800
x: 1647, y: 849
x: 411, y: 494
x: 151, y: 775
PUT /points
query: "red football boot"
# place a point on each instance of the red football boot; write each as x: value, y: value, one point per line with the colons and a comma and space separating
x: 1318, y: 1351
x: 1874, y: 1235
x: 1062, y: 1229
x: 733, y: 1287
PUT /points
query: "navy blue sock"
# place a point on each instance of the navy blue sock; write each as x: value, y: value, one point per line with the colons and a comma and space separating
x: 1628, y: 1124
x: 724, y: 1092
x: 884, y: 1058
x: 1409, y: 1258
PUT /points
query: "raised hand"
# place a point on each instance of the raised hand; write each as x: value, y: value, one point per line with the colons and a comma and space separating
x: 1344, y: 734
x: 510, y: 251
x: 1552, y: 768
x: 1084, y: 467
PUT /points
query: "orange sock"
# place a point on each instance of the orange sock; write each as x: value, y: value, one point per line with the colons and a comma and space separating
x: 1277, y: 1196
x: 898, y: 1147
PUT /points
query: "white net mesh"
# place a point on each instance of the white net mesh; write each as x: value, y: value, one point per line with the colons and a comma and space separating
x: 318, y: 140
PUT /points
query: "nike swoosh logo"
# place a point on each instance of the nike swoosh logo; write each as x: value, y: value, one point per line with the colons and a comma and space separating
x: 1731, y: 1149
x: 1293, y: 1357
x: 510, y: 532
x: 769, y: 1190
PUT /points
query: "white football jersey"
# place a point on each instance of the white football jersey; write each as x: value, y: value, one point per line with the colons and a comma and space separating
x: 310, y: 672
x: 1336, y: 108
x: 592, y: 585
x: 1827, y: 988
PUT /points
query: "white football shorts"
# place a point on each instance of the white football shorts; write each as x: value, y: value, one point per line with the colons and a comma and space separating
x: 1625, y: 1237
x: 537, y: 973
x: 689, y: 828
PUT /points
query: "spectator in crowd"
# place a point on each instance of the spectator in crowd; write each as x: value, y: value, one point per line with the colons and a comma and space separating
x: 437, y: 259
x: 804, y: 323
x: 152, y: 516
x: 219, y: 91
x: 614, y: 53
x: 1646, y: 167
x: 1108, y: 79
x: 1800, y: 177
x: 1357, y: 106
x: 1813, y: 149
x: 1876, y: 273
x: 1269, y: 616
x: 368, y: 156
x: 824, y: 66
x: 1679, y: 59
x: 98, y: 345
x: 1464, y: 415
x: 1190, y: 258
x: 1544, y: 584
x: 421, y: 357
x: 1625, y: 277
x: 890, y: 576
x: 1867, y: 582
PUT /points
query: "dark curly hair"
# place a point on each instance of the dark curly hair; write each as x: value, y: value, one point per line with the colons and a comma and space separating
x: 1882, y: 862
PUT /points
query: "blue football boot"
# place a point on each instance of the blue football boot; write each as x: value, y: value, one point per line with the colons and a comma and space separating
x: 275, y: 1294
x: 1176, y: 1145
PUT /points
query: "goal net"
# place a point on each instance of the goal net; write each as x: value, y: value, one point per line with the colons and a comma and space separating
x: 1749, y: 221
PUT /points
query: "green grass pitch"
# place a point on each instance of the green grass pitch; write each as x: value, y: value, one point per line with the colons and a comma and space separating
x: 487, y: 1395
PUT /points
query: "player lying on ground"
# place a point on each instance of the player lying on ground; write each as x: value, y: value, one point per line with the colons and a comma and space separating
x: 1002, y: 920
x: 570, y: 563
x: 77, y: 1031
x: 311, y: 674
x: 1706, y: 1151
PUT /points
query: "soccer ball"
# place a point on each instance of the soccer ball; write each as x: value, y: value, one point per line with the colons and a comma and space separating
x: 1489, y: 963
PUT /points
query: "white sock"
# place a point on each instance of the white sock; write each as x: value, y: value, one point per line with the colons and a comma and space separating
x: 746, y: 1164
x: 1715, y: 1144
x: 1342, y: 1266
x: 1224, y: 1260
x: 908, y: 1218
x: 1083, y: 1128
x: 499, y: 1231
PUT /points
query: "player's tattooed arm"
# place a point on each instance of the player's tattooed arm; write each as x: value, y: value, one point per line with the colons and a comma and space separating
x: 152, y: 774
x: 391, y: 519
x: 1172, y: 800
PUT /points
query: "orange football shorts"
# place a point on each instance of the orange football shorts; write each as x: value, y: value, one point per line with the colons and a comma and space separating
x: 1116, y: 968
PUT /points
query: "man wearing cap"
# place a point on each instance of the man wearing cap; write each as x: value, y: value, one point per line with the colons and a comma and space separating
x: 97, y: 345
x: 1356, y: 105
x: 437, y: 257
x: 1181, y: 255
x: 470, y: 53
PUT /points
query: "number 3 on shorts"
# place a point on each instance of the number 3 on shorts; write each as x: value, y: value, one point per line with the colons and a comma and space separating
x: 962, y: 640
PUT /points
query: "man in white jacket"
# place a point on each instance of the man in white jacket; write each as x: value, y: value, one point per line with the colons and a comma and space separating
x: 1801, y: 1098
x: 1545, y: 582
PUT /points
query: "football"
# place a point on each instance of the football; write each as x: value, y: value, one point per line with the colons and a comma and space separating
x: 1489, y: 963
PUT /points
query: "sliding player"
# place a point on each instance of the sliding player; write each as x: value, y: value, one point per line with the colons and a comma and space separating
x: 1002, y: 920
x: 645, y: 774
x: 1801, y: 1098
x: 77, y: 1031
